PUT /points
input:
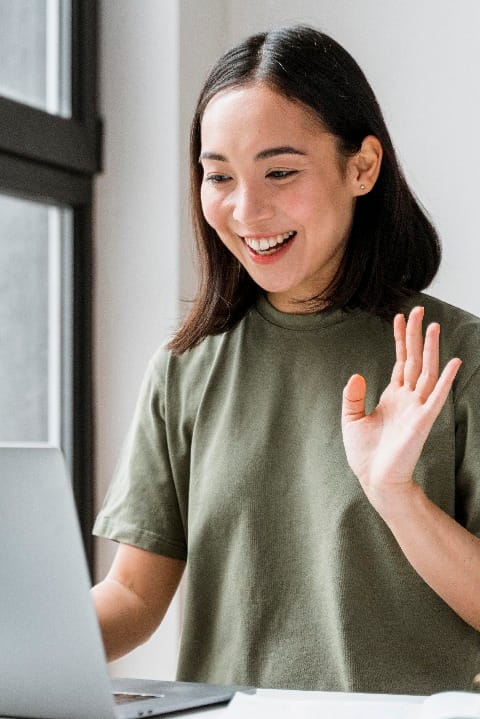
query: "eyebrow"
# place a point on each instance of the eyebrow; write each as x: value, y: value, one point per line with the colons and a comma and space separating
x: 263, y: 155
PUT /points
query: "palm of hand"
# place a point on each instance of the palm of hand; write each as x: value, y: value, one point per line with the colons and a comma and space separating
x: 383, y: 447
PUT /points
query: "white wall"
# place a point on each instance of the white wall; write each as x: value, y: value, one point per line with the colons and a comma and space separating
x: 201, y: 41
x: 153, y: 54
x: 421, y: 57
x: 136, y: 239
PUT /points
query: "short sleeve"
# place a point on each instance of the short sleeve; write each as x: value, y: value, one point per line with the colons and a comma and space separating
x: 141, y: 507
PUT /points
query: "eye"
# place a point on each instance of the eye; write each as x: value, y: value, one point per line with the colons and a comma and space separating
x: 217, y: 178
x: 281, y: 174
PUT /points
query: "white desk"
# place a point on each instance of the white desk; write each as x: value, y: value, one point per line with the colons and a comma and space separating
x: 278, y: 704
x: 387, y: 706
x: 290, y: 704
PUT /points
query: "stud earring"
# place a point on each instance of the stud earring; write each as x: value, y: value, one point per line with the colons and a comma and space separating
x: 362, y: 187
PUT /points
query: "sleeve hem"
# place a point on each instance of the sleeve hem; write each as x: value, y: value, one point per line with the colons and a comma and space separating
x: 138, y: 537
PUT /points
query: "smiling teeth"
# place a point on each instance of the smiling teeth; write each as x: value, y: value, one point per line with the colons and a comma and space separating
x: 268, y: 243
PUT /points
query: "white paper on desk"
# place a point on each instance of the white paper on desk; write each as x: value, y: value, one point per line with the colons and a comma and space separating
x: 245, y: 706
x: 446, y: 705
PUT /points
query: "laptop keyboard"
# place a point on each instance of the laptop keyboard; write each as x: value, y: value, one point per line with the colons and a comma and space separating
x: 127, y: 697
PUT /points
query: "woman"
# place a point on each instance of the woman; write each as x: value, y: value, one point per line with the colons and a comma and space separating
x: 331, y: 542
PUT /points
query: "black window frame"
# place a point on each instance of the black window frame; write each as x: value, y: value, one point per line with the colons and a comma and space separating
x: 53, y: 159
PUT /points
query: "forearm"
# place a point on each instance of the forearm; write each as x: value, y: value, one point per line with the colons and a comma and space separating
x: 124, y: 618
x: 442, y: 552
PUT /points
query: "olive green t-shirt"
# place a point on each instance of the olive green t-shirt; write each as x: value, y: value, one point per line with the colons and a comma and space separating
x: 235, y: 462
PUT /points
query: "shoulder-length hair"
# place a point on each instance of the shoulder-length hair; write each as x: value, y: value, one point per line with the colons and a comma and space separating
x: 393, y: 249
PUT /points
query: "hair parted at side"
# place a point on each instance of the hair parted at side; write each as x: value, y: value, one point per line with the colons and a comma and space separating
x: 393, y: 249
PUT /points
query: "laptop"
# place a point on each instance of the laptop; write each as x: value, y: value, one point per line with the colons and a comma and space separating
x: 52, y: 662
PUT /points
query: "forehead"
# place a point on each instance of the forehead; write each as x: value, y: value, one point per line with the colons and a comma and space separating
x: 256, y: 113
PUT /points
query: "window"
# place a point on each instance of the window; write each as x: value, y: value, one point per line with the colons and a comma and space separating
x: 35, y: 321
x: 50, y: 140
x: 35, y: 52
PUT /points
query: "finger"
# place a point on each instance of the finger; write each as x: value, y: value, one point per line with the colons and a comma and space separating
x: 430, y: 364
x: 414, y: 344
x: 399, y: 326
x: 439, y: 395
x: 353, y: 405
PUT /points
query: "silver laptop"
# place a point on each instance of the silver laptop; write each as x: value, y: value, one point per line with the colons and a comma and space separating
x: 52, y: 663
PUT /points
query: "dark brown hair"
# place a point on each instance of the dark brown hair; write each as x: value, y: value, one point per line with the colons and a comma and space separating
x: 393, y: 250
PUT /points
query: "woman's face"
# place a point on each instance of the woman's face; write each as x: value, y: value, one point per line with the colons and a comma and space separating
x: 275, y: 191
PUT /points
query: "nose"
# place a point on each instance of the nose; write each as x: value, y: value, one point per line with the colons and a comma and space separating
x: 252, y: 204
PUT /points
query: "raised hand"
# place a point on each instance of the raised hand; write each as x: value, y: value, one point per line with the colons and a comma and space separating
x: 383, y: 447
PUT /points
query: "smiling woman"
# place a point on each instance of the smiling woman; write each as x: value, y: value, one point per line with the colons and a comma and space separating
x: 392, y: 247
x: 317, y: 471
x: 284, y: 211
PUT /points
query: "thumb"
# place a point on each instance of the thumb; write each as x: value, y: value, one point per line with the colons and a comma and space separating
x: 353, y: 405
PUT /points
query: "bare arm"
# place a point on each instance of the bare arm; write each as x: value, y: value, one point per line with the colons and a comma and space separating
x: 134, y: 597
x: 444, y: 553
x: 383, y: 449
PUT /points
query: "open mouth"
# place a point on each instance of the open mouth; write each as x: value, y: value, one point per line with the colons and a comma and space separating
x: 269, y: 245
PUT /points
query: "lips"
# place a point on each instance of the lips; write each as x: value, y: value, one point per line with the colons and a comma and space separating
x: 268, y: 245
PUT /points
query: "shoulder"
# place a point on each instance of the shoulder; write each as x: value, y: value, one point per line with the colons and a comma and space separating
x: 195, y: 364
x: 459, y: 327
x: 460, y: 334
x: 435, y: 307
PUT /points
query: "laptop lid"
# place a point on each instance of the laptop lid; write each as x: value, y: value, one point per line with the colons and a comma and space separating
x: 52, y: 662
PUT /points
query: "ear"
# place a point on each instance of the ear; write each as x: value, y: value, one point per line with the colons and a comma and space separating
x: 365, y: 165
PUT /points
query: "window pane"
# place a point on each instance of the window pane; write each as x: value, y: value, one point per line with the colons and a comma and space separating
x: 35, y: 53
x: 35, y: 323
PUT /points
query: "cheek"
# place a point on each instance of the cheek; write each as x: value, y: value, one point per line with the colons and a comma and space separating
x: 215, y: 215
x: 328, y: 209
x: 204, y: 201
x: 211, y: 208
